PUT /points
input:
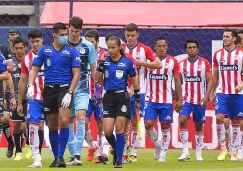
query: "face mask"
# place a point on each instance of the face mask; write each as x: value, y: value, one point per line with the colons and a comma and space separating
x: 62, y: 40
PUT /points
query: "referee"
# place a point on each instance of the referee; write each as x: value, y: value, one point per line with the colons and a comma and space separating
x: 116, y: 101
x: 62, y: 73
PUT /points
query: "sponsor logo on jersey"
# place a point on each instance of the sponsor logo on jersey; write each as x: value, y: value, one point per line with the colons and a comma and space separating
x: 193, y: 79
x: 229, y: 68
x: 158, y: 76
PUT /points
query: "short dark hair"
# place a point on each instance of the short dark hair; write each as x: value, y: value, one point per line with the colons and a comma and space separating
x: 108, y: 36
x: 20, y: 39
x: 239, y: 31
x: 233, y: 32
x: 238, y: 40
x: 131, y: 27
x: 76, y: 22
x: 59, y: 26
x: 191, y: 41
x: 35, y: 33
x: 92, y: 33
x: 158, y: 38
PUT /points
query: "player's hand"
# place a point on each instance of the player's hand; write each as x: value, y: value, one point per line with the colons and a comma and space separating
x: 66, y: 100
x: 13, y: 104
x: 239, y: 87
x: 20, y: 110
x: 204, y: 101
x: 104, y: 56
x: 97, y: 98
x: 30, y: 92
x: 178, y: 106
x: 139, y: 63
x: 212, y: 98
x: 5, y: 104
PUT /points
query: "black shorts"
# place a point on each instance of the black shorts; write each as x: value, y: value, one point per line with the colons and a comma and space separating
x: 16, y: 117
x: 53, y: 95
x: 116, y: 103
x: 1, y: 105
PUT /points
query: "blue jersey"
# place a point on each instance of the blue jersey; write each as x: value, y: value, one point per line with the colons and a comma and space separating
x: 117, y: 72
x: 58, y: 64
x: 3, y: 68
x: 88, y: 55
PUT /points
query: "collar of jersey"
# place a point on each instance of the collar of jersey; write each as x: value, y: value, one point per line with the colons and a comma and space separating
x: 116, y: 61
x: 55, y: 48
x: 75, y: 44
x: 232, y: 50
x: 193, y: 61
x: 133, y: 47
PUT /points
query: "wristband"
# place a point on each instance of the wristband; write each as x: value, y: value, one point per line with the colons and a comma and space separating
x: 101, y: 66
x: 70, y: 92
x: 137, y: 95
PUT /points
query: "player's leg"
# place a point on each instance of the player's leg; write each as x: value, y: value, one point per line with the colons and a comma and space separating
x: 199, y: 119
x: 183, y: 119
x: 81, y: 106
x: 149, y: 120
x: 127, y: 147
x: 228, y: 133
x: 240, y: 151
x: 35, y: 111
x: 221, y: 110
x: 88, y: 135
x: 165, y: 112
x: 41, y: 132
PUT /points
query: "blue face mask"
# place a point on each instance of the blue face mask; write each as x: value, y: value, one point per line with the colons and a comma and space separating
x: 62, y: 40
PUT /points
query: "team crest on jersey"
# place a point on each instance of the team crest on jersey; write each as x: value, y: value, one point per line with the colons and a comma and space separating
x: 138, y: 55
x: 199, y: 68
x: 122, y: 65
x: 82, y: 51
x: 19, y: 65
x: 48, y: 62
x: 48, y: 50
x: 221, y: 59
x: 119, y: 74
x: 167, y: 65
x: 236, y: 57
x: 106, y: 74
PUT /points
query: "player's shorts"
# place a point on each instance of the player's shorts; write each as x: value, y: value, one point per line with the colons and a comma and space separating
x: 80, y: 102
x: 116, y: 103
x: 53, y: 95
x: 198, y: 112
x: 35, y: 112
x: 229, y: 104
x: 133, y: 105
x: 16, y: 117
x: 98, y: 111
x: 1, y: 105
x: 163, y: 110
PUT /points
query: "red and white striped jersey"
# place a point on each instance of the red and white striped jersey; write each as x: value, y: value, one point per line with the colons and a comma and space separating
x: 159, y: 81
x: 142, y: 53
x: 194, y: 79
x: 91, y: 81
x: 229, y: 66
x: 26, y: 66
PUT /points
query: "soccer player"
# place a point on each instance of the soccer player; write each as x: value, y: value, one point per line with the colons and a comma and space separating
x: 35, y: 107
x: 227, y: 70
x: 62, y: 73
x: 196, y: 72
x: 20, y: 46
x: 159, y: 98
x: 114, y: 71
x: 88, y: 56
x: 141, y: 53
x: 93, y: 37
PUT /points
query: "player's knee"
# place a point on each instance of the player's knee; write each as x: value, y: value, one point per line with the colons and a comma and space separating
x: 108, y: 133
x: 64, y: 122
x: 17, y: 126
x: 226, y: 123
x: 219, y: 118
x: 165, y: 126
x: 100, y: 126
x: 148, y: 125
x: 235, y: 121
x: 183, y: 123
x: 199, y: 127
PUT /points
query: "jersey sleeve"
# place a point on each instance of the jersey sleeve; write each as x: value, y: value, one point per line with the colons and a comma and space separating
x: 176, y: 69
x: 39, y: 60
x: 149, y: 54
x: 24, y: 69
x: 3, y: 64
x: 75, y: 58
x: 208, y: 66
x: 215, y: 62
x: 131, y: 69
x: 92, y: 54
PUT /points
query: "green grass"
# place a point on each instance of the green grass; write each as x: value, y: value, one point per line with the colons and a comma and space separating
x: 145, y: 163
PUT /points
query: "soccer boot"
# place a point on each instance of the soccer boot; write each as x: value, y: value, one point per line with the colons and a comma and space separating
x: 27, y: 152
x: 90, y: 155
x: 184, y: 157
x: 36, y: 164
x: 222, y: 154
x: 157, y: 151
x: 77, y: 160
x: 61, y: 162
x: 18, y: 156
x: 71, y: 162
x: 133, y: 159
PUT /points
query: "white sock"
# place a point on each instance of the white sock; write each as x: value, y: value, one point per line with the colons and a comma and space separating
x: 240, y: 152
x: 106, y: 145
x: 153, y: 135
x: 135, y: 142
x: 199, y: 142
x: 99, y: 144
x: 228, y: 134
x: 221, y: 135
x: 34, y: 141
x: 184, y: 140
x: 88, y: 139
x: 126, y: 143
x: 165, y: 140
x: 235, y: 138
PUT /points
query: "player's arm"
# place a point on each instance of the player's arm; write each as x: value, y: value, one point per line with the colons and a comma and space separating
x: 22, y: 82
x: 92, y: 70
x: 9, y: 65
x: 209, y: 78
x: 93, y: 57
x: 177, y: 80
x: 75, y: 69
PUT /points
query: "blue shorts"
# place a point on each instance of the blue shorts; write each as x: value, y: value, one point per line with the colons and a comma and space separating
x: 133, y: 106
x: 80, y: 102
x: 197, y: 110
x: 229, y: 104
x: 163, y: 110
x: 35, y: 111
x: 98, y: 111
